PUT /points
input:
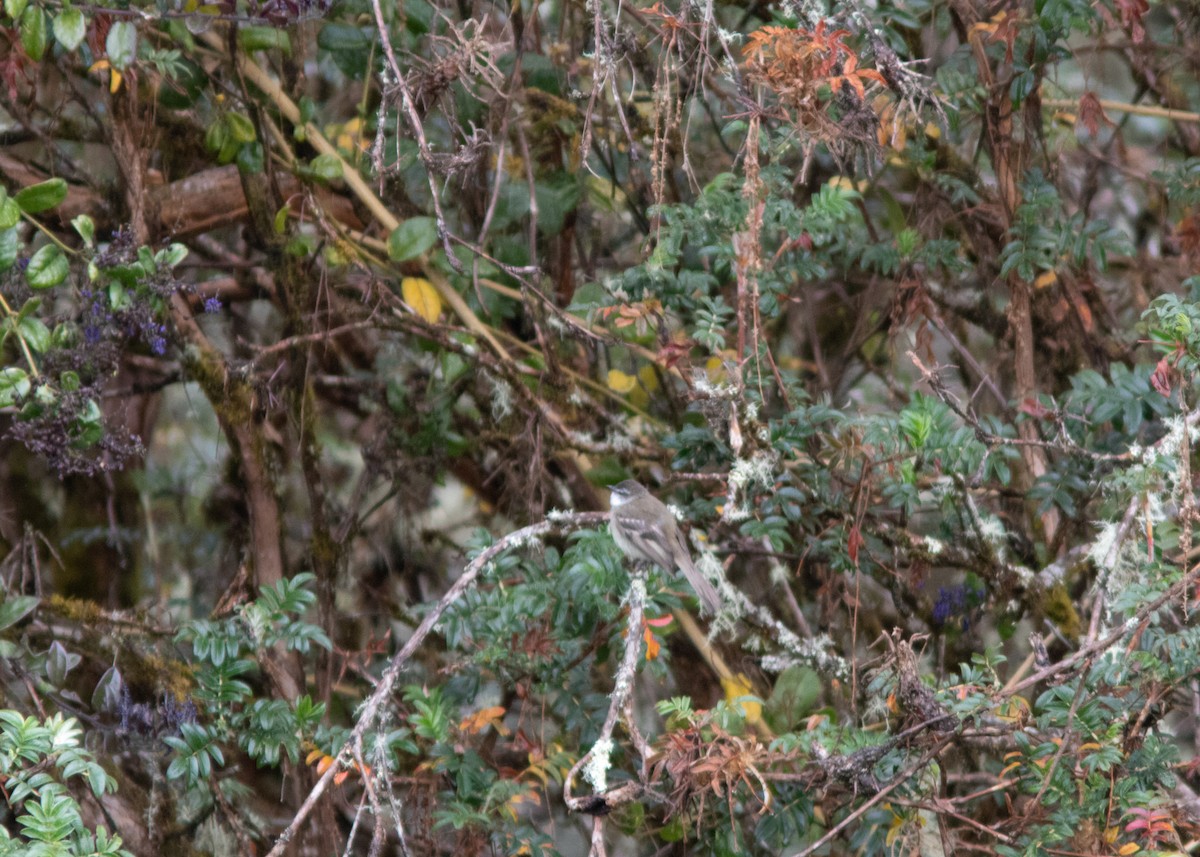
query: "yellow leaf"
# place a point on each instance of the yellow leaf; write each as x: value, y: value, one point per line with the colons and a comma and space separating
x: 1014, y: 709
x: 536, y: 769
x: 1047, y: 278
x: 648, y: 377
x: 847, y: 183
x: 738, y: 692
x: 420, y: 294
x: 114, y: 76
x: 619, y: 382
x: 716, y: 369
x: 1128, y: 848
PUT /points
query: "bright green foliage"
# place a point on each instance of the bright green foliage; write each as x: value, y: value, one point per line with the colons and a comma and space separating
x: 37, y: 760
x: 264, y: 729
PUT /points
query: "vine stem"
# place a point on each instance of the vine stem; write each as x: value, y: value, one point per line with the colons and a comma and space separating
x: 8, y: 310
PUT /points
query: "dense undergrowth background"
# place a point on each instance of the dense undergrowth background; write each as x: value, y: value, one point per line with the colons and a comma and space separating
x: 303, y: 306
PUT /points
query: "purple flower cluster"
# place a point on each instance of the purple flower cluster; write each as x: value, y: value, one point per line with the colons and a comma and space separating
x: 959, y: 601
x: 145, y: 719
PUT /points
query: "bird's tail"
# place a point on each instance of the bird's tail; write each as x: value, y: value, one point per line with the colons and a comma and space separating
x: 707, y: 592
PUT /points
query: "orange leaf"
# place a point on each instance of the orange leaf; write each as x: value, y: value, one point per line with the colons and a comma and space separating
x: 480, y: 720
x: 652, y: 645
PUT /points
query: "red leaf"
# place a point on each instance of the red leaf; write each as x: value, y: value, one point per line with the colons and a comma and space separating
x: 1161, y: 379
x: 853, y: 542
x: 1035, y: 409
x: 1091, y: 114
x: 1132, y: 12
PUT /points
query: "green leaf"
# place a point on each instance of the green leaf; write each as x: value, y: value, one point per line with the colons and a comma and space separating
x: 171, y: 256
x: 264, y: 39
x: 556, y: 198
x: 217, y: 136
x: 327, y: 167
x: 342, y: 37
x: 589, y: 296
x: 59, y: 662
x: 241, y: 128
x: 47, y: 268
x: 14, y: 385
x: 250, y: 158
x: 89, y: 425
x: 29, y: 308
x: 41, y: 196
x: 69, y: 28
x: 411, y: 238
x: 107, y: 695
x: 34, y: 32
x: 15, y: 8
x: 9, y: 248
x: 348, y: 46
x: 10, y: 212
x: 796, y: 693
x: 35, y: 333
x: 86, y: 229
x: 121, y: 45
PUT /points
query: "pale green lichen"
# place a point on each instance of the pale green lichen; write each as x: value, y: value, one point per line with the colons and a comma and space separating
x: 596, y: 769
x: 502, y: 399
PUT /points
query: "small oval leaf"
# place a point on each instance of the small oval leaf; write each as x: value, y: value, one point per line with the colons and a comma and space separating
x: 121, y: 44
x: 41, y: 196
x: 14, y: 609
x: 420, y: 294
x: 411, y: 238
x: 69, y: 28
x: 10, y: 246
x: 86, y: 228
x: 621, y: 382
x: 35, y: 333
x: 240, y: 127
x: 327, y: 167
x: 47, y: 268
x: 34, y: 32
x: 264, y: 39
x: 10, y: 213
x: 14, y: 385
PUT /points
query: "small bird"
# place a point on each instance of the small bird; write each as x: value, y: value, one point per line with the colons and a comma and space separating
x: 645, y: 531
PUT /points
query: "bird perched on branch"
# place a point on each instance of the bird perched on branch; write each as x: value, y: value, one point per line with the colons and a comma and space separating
x: 645, y: 531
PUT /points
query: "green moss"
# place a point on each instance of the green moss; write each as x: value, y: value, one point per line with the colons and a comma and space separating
x: 1058, y: 607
